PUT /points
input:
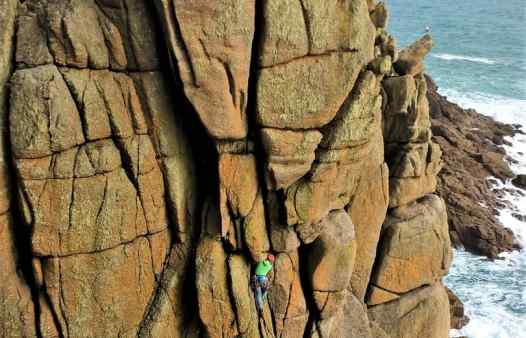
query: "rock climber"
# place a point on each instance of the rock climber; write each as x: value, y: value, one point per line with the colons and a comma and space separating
x: 260, y: 280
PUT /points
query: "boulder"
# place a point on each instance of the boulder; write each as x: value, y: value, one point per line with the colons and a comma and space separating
x: 367, y: 211
x: 306, y: 204
x: 243, y: 297
x: 237, y: 192
x: 332, y: 255
x: 410, y: 59
x: 414, y: 159
x: 404, y: 190
x: 456, y: 309
x: 358, y: 118
x: 350, y: 321
x: 286, y: 297
x: 212, y: 281
x: 350, y: 27
x: 380, y: 15
x: 255, y: 231
x: 99, y: 276
x: 332, y: 182
x: 406, y: 114
x: 420, y: 313
x: 415, y: 249
x: 283, y: 238
x: 382, y: 65
x: 98, y: 34
x: 289, y: 155
x: 212, y: 46
x: 284, y: 35
x: 496, y: 164
x: 305, y: 93
x: 520, y: 181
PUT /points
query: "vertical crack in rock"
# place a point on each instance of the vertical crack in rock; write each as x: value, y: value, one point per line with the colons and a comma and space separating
x: 20, y: 245
x: 305, y: 278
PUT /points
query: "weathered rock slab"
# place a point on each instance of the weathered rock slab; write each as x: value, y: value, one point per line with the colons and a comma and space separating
x: 415, y: 249
x: 420, y: 313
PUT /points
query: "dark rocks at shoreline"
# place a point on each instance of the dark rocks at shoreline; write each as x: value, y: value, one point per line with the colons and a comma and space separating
x: 458, y: 316
x: 520, y: 181
x: 472, y: 153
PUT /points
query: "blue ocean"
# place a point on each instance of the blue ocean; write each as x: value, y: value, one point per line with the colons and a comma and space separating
x: 479, y: 61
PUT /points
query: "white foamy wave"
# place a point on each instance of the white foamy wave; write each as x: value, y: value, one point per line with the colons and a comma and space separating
x: 516, y: 197
x: 453, y: 57
x: 501, y: 108
x: 494, y: 293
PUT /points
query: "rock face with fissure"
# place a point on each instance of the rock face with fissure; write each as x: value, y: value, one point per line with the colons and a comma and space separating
x: 152, y: 152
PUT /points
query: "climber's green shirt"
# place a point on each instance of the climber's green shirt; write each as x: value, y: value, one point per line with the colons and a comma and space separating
x: 263, y: 267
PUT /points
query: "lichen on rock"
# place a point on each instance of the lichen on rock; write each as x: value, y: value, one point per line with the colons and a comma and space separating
x: 155, y: 151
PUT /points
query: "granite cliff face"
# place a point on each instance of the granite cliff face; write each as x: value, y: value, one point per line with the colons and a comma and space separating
x: 153, y: 151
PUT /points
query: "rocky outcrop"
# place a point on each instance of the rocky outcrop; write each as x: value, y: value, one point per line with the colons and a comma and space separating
x: 519, y: 181
x: 421, y: 313
x: 459, y: 319
x: 473, y: 158
x: 152, y: 152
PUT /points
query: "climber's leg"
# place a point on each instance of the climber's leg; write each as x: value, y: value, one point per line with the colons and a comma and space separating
x: 259, y: 299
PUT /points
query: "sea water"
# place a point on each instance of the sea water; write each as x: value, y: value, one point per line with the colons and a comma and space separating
x: 479, y: 61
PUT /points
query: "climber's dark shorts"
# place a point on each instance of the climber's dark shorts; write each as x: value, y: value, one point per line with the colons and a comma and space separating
x: 262, y: 281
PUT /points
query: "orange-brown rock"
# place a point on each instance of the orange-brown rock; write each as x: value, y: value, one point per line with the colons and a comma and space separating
x: 215, y: 308
x: 420, y: 313
x: 306, y: 93
x: 403, y: 190
x: 349, y: 321
x: 213, y: 44
x: 137, y: 263
x: 332, y: 255
x: 380, y: 15
x: 410, y: 59
x: 284, y: 238
x: 359, y: 116
x: 17, y: 313
x: 238, y: 191
x: 284, y: 34
x: 158, y: 150
x: 242, y: 208
x: 289, y: 154
x: 168, y: 314
x: 415, y: 249
x: 98, y: 35
x: 287, y: 298
x: 367, y: 211
x: 406, y: 115
x: 247, y: 319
